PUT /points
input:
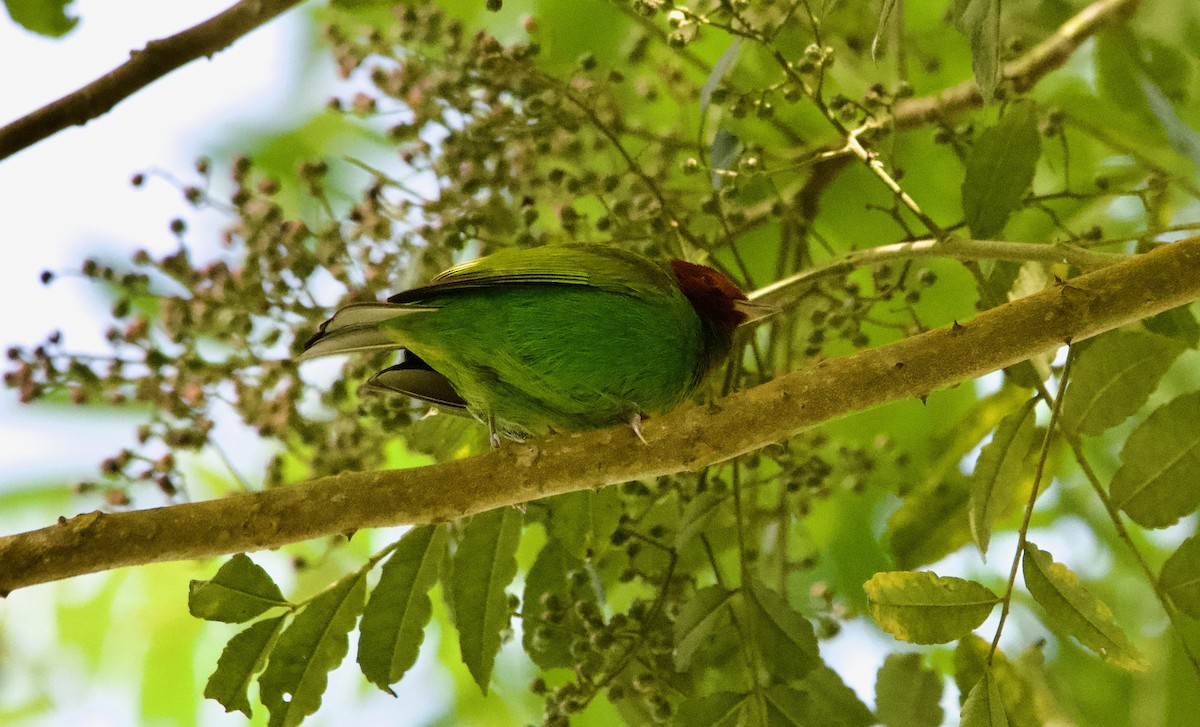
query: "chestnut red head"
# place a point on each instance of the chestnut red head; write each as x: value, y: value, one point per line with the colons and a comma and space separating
x: 713, y: 295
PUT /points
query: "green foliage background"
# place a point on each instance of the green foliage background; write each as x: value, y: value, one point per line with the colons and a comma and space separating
x: 715, y: 131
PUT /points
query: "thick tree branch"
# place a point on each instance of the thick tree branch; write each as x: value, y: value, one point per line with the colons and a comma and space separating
x: 145, y: 66
x: 685, y: 440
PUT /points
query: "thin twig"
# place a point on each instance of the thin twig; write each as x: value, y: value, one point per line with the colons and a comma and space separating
x: 781, y: 292
x: 871, y: 159
x: 1023, y: 533
x: 145, y: 66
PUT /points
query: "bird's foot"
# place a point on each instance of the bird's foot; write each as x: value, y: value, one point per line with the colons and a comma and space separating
x: 493, y: 435
x: 635, y: 423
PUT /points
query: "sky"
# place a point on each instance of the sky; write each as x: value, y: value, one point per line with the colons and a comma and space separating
x: 70, y: 195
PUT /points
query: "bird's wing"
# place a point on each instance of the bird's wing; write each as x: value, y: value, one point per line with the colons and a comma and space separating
x: 597, y: 266
x: 413, y: 377
x: 356, y: 328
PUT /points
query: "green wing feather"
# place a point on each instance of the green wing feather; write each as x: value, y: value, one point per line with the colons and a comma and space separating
x: 358, y: 327
x: 598, y: 266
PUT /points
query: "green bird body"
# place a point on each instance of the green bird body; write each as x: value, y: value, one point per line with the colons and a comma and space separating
x: 555, y: 338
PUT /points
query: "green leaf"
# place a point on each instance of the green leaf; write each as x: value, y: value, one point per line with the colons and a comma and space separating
x: 696, y: 620
x: 484, y: 564
x: 785, y: 638
x: 1159, y: 478
x: 1170, y: 67
x: 583, y: 521
x: 393, y: 623
x: 1113, y: 377
x: 554, y: 587
x: 244, y: 656
x: 722, y: 154
x: 984, y: 706
x: 931, y: 522
x: 312, y: 646
x: 907, y: 693
x: 1180, y: 578
x: 998, y: 471
x: 1000, y: 169
x: 1177, y: 323
x: 832, y: 702
x: 1182, y: 137
x: 719, y: 709
x: 925, y: 608
x: 1138, y: 134
x: 719, y: 70
x: 699, y: 513
x: 1072, y: 608
x: 885, y: 12
x: 239, y: 591
x: 804, y: 704
x: 445, y: 436
x: 44, y: 17
x: 979, y: 21
x: 970, y: 663
x: 787, y: 707
x: 1118, y: 68
x: 1143, y: 82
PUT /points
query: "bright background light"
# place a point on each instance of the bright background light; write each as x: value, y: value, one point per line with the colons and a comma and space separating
x: 69, y: 196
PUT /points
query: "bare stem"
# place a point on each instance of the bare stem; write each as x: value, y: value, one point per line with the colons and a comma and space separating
x: 871, y: 159
x: 783, y: 291
x: 1023, y: 533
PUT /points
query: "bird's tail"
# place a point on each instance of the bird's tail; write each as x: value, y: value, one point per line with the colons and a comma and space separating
x: 357, y: 328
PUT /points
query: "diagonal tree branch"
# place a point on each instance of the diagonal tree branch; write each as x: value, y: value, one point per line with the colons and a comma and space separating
x: 1022, y: 73
x: 145, y: 66
x: 687, y: 439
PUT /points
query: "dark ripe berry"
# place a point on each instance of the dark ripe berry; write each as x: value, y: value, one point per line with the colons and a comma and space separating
x: 601, y: 640
x: 643, y: 683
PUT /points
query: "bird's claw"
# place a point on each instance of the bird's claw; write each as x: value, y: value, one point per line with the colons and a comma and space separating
x: 635, y: 423
x: 493, y: 435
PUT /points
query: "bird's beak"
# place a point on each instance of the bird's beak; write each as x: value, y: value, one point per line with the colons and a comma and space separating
x: 754, y: 312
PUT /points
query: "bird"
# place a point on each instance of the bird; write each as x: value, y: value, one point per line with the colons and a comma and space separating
x: 557, y: 338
